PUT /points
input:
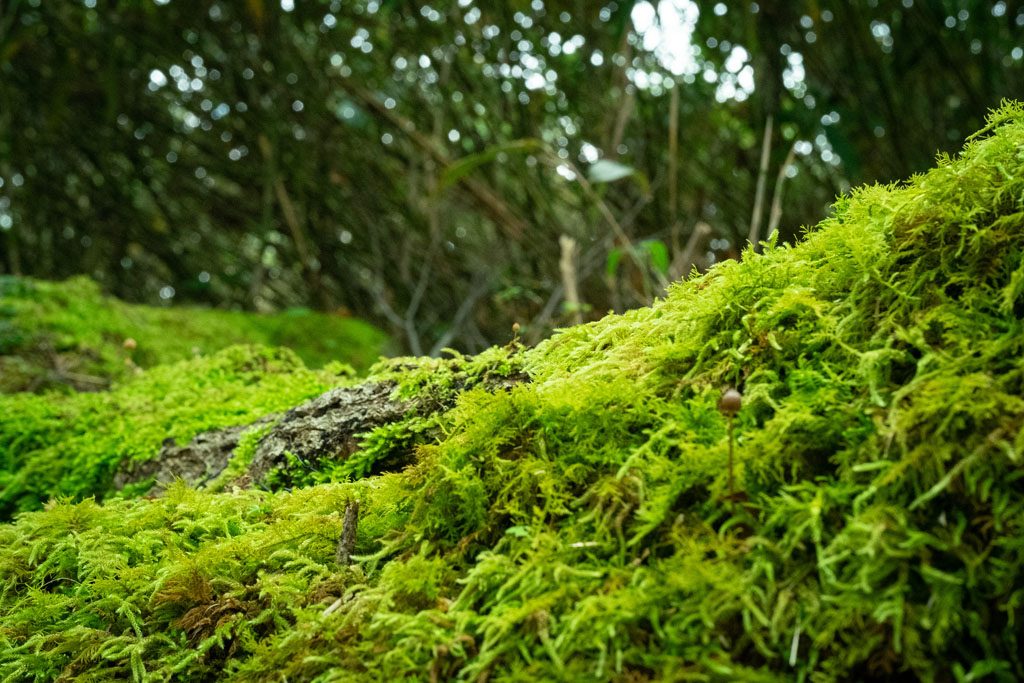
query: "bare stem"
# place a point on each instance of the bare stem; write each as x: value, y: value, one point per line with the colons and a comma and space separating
x: 775, y: 214
x: 732, y: 489
x: 567, y: 264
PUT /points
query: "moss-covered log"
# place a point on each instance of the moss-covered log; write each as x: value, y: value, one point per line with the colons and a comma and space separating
x: 581, y: 525
x: 67, y: 335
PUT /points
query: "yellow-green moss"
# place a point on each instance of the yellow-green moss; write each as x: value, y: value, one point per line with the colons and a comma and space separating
x: 70, y: 444
x: 576, y: 527
x: 68, y: 334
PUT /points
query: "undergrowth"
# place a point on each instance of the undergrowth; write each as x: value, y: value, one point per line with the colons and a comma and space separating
x: 575, y: 527
x: 67, y: 334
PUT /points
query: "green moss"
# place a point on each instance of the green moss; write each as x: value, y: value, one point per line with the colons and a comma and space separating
x: 69, y: 334
x: 439, y: 380
x: 71, y: 444
x: 578, y: 526
x: 430, y: 386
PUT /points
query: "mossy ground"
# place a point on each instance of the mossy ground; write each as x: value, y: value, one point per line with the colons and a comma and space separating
x: 70, y: 444
x: 578, y: 526
x: 67, y: 334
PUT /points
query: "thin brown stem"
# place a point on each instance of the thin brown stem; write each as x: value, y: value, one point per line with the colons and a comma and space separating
x: 732, y: 488
x: 567, y: 265
x: 673, y: 169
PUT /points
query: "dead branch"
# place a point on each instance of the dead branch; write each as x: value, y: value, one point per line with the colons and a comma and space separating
x: 347, y: 542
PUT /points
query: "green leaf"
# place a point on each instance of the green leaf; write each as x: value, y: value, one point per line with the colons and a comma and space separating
x: 611, y: 266
x: 460, y: 168
x: 658, y: 253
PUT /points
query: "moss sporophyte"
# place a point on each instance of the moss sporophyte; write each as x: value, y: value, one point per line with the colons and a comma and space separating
x: 555, y: 513
x: 729, y: 405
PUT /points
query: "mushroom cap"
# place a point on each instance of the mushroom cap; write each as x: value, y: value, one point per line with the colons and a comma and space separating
x: 731, y: 402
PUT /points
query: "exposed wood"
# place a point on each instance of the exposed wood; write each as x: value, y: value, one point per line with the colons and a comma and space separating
x: 347, y: 542
x: 309, y: 437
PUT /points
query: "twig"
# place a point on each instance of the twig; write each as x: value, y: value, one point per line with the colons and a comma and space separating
x: 621, y: 120
x: 685, y: 259
x: 347, y: 542
x: 542, y: 318
x: 754, y: 236
x: 487, y: 199
x: 291, y: 217
x: 409, y: 322
x: 465, y: 309
x: 84, y: 379
x: 567, y: 265
x: 673, y: 168
x: 384, y: 307
x: 775, y: 214
x: 625, y: 109
x: 627, y: 244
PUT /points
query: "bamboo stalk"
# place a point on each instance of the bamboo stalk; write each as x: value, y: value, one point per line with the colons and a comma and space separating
x: 754, y: 236
x: 775, y: 214
x: 567, y: 264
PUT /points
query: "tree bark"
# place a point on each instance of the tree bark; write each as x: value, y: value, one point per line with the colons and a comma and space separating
x: 308, y: 438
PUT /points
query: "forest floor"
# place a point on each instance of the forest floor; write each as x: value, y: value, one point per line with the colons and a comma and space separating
x: 587, y: 509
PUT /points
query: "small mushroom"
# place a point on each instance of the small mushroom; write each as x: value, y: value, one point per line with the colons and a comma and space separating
x: 130, y: 344
x: 730, y: 403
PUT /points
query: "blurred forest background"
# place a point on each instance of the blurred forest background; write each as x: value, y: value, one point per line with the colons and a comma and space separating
x: 446, y: 169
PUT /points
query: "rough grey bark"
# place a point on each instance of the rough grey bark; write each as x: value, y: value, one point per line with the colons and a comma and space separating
x: 324, y: 429
x: 327, y: 427
x: 196, y: 463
